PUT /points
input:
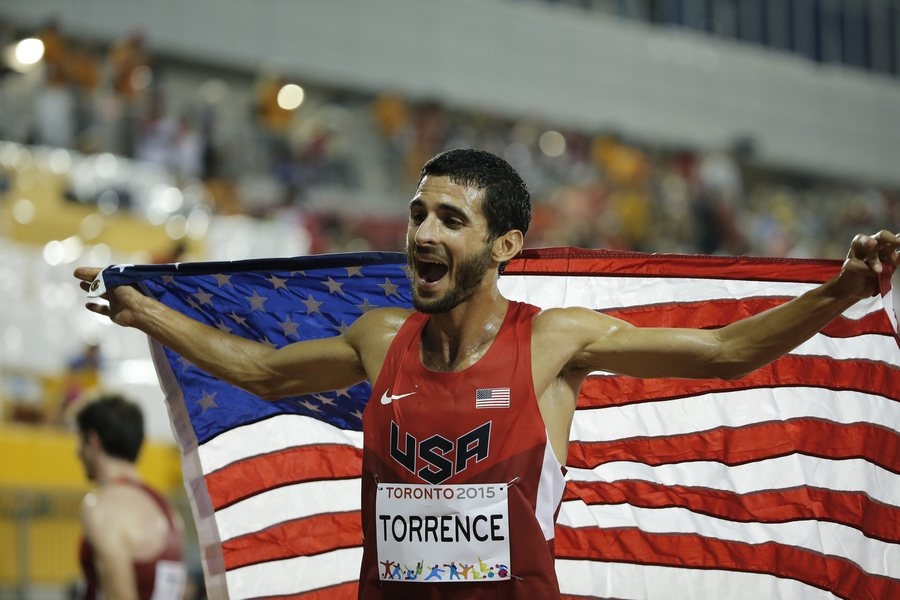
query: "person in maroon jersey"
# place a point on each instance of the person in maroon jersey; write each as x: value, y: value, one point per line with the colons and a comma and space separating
x: 473, y: 395
x: 132, y: 546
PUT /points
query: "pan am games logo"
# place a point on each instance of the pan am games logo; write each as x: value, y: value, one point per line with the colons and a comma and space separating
x: 477, y: 570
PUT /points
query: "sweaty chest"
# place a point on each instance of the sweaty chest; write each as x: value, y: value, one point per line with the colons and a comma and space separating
x: 439, y: 427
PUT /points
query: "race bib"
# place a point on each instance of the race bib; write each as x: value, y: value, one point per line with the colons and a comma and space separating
x: 442, y: 533
x: 171, y: 577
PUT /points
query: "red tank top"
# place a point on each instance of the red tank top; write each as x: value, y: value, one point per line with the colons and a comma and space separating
x: 160, y: 578
x: 481, y: 425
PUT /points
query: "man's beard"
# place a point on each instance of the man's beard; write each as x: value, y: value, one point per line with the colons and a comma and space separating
x: 468, y: 277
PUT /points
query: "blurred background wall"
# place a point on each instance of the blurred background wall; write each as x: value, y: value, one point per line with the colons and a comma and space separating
x: 216, y: 130
x: 573, y: 68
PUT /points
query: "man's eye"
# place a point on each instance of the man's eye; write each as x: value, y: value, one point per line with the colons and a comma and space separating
x: 416, y: 218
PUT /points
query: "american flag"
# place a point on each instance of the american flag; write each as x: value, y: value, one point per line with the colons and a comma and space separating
x: 492, y: 398
x: 784, y: 484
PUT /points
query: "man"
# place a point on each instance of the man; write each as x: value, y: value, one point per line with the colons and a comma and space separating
x: 133, y: 538
x: 473, y: 395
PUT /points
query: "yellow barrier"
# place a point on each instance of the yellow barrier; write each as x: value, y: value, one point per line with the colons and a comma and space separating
x: 38, y: 457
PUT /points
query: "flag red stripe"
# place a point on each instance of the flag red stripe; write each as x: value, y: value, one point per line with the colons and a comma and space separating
x: 341, y: 591
x: 605, y: 263
x: 718, y: 313
x: 853, y: 509
x: 864, y: 376
x: 839, y: 575
x: 741, y: 445
x: 298, y: 537
x: 252, y: 475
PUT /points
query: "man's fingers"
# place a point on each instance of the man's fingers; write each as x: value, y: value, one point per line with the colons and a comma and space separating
x: 100, y: 309
x: 875, y: 249
x: 87, y: 274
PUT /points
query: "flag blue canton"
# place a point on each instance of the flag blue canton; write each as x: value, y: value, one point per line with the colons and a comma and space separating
x: 279, y: 302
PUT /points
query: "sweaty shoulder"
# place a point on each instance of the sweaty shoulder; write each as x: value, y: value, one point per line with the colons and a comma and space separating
x: 563, y: 334
x: 372, y: 333
x: 379, y: 321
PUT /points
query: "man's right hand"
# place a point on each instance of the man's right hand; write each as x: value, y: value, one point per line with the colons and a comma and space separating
x: 121, y: 302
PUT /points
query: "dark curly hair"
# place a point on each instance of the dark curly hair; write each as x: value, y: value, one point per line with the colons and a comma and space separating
x: 507, y: 203
x: 118, y: 423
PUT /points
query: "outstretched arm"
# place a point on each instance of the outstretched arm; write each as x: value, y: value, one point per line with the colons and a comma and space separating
x: 602, y: 342
x: 299, y: 368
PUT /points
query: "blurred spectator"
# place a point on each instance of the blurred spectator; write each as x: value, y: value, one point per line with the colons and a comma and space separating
x: 82, y: 376
x: 273, y: 121
x: 130, y: 77
x: 83, y: 69
x: 55, y: 102
x: 392, y: 122
x: 54, y: 52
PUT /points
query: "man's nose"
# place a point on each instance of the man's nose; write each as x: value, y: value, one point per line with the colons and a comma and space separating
x: 426, y: 231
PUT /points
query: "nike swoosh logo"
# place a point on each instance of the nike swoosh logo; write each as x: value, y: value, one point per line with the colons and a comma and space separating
x: 387, y: 398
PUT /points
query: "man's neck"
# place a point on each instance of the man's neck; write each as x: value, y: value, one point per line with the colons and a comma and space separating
x: 457, y: 339
x: 114, y: 469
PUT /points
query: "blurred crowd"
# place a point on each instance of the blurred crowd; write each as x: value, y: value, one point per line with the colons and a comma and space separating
x: 342, y: 162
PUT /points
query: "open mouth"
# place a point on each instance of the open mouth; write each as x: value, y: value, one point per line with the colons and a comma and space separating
x: 430, y: 271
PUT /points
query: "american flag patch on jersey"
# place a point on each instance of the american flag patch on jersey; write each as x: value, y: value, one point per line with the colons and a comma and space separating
x: 492, y: 398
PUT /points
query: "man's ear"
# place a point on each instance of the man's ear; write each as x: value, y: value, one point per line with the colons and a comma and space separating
x: 507, y: 246
x: 92, y: 439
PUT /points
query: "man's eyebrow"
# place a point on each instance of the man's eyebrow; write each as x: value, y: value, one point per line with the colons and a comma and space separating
x: 457, y: 211
x: 442, y: 207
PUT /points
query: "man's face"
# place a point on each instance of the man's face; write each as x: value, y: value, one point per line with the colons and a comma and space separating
x: 446, y: 244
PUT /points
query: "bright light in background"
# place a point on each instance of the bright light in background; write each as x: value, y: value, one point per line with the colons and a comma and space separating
x: 197, y: 224
x: 163, y: 201
x: 105, y: 165
x: 176, y: 227
x: 136, y: 372
x: 91, y: 226
x: 25, y: 54
x: 58, y: 296
x: 29, y: 51
x: 9, y: 154
x: 60, y: 160
x: 23, y: 211
x: 290, y: 96
x: 552, y: 143
x: 54, y: 252
x: 108, y: 202
x: 141, y: 78
x: 98, y: 255
x: 59, y: 252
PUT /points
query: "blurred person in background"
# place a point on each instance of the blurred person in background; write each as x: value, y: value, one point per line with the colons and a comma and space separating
x: 133, y: 542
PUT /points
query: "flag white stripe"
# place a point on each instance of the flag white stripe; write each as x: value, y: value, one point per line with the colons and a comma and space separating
x: 865, y: 347
x: 785, y: 472
x: 736, y: 408
x: 605, y: 292
x: 873, y: 556
x: 623, y: 580
x: 271, y: 435
x: 874, y: 347
x: 294, y: 575
x: 286, y: 503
